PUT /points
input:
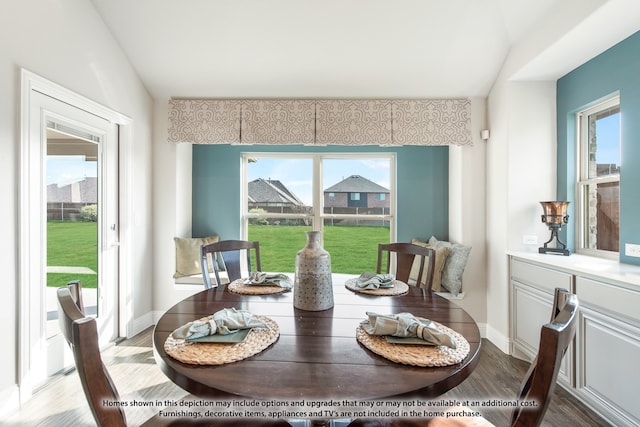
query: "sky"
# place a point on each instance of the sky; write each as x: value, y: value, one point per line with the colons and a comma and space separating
x: 608, y: 139
x: 296, y: 174
x: 67, y: 169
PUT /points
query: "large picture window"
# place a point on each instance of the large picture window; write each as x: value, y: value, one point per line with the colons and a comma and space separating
x: 598, y: 189
x: 338, y: 194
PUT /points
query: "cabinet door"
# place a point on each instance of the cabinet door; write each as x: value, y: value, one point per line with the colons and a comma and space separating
x: 531, y: 308
x: 608, y: 355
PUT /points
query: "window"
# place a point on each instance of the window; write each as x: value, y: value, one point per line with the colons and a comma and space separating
x: 598, y: 190
x: 381, y: 197
x: 288, y: 194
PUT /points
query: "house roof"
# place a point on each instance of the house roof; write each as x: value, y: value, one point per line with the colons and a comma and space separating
x: 271, y: 191
x: 79, y: 191
x: 356, y: 184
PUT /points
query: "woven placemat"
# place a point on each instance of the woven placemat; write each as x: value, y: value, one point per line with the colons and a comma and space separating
x: 238, y: 287
x: 206, y: 353
x: 417, y: 355
x: 399, y: 288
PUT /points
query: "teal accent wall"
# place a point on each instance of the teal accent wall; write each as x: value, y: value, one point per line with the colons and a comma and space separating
x: 422, y: 179
x: 616, y: 70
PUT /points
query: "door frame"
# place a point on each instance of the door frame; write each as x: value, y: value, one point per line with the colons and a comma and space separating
x: 31, y: 246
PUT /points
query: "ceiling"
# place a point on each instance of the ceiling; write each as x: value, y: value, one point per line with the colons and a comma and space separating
x: 355, y: 48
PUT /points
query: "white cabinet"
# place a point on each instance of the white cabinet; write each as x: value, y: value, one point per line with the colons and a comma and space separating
x: 532, y: 289
x: 602, y: 367
x: 608, y: 349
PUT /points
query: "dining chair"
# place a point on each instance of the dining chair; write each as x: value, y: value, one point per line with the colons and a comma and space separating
x: 405, y: 256
x: 75, y: 288
x: 81, y: 333
x: 539, y: 382
x: 231, y: 253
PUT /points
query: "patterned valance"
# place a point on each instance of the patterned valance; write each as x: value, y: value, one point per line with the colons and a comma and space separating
x: 322, y: 122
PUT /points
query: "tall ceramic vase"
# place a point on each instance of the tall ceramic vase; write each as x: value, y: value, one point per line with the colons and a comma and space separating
x: 312, y: 287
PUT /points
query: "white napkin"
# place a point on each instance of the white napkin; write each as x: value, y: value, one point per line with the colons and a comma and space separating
x: 374, y: 281
x: 260, y: 278
x: 406, y: 325
x: 223, y: 322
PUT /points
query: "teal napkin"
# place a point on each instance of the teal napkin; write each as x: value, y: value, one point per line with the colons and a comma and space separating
x: 223, y: 322
x: 406, y: 325
x: 278, y: 279
x: 374, y: 281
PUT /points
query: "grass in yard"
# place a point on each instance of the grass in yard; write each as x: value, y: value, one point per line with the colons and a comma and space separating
x: 353, y: 249
x: 72, y: 244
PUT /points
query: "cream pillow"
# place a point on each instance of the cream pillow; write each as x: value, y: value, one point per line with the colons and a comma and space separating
x: 455, y: 265
x: 188, y: 254
x: 441, y: 257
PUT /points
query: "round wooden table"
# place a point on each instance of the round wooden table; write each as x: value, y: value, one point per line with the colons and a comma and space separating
x: 317, y: 355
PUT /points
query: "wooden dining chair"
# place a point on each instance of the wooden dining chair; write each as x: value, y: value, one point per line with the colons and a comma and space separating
x: 539, y: 382
x: 75, y: 288
x: 81, y: 333
x: 231, y: 253
x: 405, y: 255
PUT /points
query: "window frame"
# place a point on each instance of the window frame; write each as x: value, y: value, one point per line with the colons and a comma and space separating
x: 317, y: 215
x: 583, y: 181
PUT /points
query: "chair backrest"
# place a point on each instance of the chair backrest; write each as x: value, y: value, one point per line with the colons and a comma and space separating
x: 75, y: 288
x: 231, y: 253
x: 540, y: 381
x: 406, y: 254
x: 82, y: 335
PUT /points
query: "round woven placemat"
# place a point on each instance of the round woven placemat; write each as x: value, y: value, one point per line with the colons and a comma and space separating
x: 238, y: 287
x: 417, y: 355
x: 399, y: 288
x: 207, y: 353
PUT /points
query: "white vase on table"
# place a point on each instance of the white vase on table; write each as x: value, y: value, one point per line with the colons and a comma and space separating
x: 312, y: 287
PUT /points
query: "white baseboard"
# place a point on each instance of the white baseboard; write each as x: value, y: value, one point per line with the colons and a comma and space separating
x: 10, y: 398
x: 140, y: 324
x: 498, y: 339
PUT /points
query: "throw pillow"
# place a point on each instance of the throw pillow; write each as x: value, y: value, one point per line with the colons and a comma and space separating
x: 455, y: 265
x: 441, y: 257
x: 188, y: 255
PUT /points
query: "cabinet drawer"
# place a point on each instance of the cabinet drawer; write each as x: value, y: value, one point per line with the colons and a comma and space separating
x: 540, y: 277
x: 612, y: 298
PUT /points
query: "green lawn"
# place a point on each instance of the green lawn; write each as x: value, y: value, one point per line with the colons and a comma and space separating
x: 353, y: 249
x: 72, y: 244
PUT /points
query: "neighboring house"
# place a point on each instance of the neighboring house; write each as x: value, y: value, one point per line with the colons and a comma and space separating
x: 269, y: 194
x: 81, y: 191
x: 356, y: 192
x: 65, y: 200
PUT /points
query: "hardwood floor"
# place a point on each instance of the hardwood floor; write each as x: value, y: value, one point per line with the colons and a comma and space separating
x: 132, y: 367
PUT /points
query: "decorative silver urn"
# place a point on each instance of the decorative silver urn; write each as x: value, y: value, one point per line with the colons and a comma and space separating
x: 312, y: 286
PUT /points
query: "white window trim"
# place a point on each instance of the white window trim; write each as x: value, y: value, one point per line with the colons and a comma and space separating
x: 582, y: 179
x: 317, y: 216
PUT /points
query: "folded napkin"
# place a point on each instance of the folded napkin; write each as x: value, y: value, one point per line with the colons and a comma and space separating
x: 374, y: 281
x: 278, y: 279
x: 223, y: 322
x: 406, y: 325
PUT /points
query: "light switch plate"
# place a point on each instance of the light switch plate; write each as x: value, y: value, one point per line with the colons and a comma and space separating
x: 529, y: 239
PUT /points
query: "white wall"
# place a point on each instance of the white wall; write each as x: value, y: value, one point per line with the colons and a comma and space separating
x: 521, y: 165
x: 67, y: 43
x: 467, y: 210
x: 172, y: 196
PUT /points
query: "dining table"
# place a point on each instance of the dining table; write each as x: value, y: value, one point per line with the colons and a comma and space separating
x: 316, y: 354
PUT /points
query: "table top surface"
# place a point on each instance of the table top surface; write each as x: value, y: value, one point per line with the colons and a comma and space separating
x: 317, y: 354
